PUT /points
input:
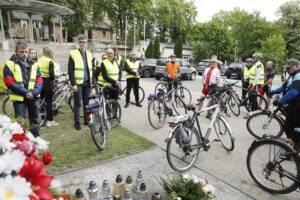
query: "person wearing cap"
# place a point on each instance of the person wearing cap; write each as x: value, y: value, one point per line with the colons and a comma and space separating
x: 291, y: 96
x: 257, y: 79
x: 211, y: 80
x: 132, y: 66
x: 246, y: 76
x: 266, y: 87
x: 172, y: 72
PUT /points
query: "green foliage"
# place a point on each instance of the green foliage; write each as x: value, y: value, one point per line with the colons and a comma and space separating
x: 130, y: 37
x: 274, y: 49
x: 201, y: 50
x: 290, y: 21
x: 178, y: 47
x: 156, y: 48
x: 185, y: 189
x: 149, y: 50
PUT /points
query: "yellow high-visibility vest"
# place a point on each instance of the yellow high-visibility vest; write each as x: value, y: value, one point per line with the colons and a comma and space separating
x: 112, y: 71
x: 134, y: 66
x: 119, y: 60
x: 79, y: 65
x: 252, y: 72
x: 246, y: 72
x: 17, y: 73
x: 43, y: 63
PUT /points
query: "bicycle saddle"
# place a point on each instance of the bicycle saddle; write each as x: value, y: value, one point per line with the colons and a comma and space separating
x: 297, y: 130
x: 191, y: 107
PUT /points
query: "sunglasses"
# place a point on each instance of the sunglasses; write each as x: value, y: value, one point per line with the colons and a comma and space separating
x: 82, y: 41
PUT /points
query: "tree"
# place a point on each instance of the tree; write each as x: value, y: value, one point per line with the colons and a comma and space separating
x: 290, y: 21
x: 130, y: 37
x: 178, y: 47
x: 156, y: 48
x: 201, y: 50
x: 274, y: 49
x: 149, y: 50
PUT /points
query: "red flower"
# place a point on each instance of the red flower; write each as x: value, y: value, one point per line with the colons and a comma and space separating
x: 47, y: 158
x: 19, y: 137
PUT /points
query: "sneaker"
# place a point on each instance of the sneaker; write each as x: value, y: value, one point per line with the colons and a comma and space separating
x: 248, y: 115
x: 77, y: 126
x: 126, y: 105
x: 138, y: 105
x: 54, y: 123
x: 49, y: 123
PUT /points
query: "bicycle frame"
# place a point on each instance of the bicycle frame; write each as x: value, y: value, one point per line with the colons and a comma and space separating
x: 63, y: 96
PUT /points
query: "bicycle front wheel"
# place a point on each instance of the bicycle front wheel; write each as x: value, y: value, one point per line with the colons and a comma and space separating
x: 8, y: 107
x: 181, y: 157
x: 224, y: 133
x: 97, y: 130
x: 161, y: 85
x: 271, y: 168
x: 114, y: 112
x: 62, y: 104
x: 260, y: 100
x: 260, y: 124
x: 141, y: 95
x: 43, y: 114
x: 157, y: 113
x: 179, y: 106
x: 234, y: 105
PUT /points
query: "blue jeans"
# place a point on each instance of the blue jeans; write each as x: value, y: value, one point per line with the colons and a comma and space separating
x: 32, y: 106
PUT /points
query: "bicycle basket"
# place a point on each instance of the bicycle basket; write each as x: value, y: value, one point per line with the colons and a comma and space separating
x: 182, y: 136
x: 92, y: 106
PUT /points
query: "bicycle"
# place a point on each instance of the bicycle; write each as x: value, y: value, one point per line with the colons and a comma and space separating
x: 274, y: 165
x: 141, y: 93
x: 267, y: 122
x: 181, y: 91
x: 234, y: 101
x: 103, y: 115
x: 162, y: 104
x: 185, y: 140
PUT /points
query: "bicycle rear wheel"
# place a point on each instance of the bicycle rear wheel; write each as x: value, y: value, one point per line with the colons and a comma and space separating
x: 182, y: 157
x: 114, y: 112
x: 234, y: 105
x: 141, y: 95
x: 8, y: 107
x: 185, y: 95
x: 270, y: 169
x: 43, y: 114
x: 98, y: 131
x: 260, y: 124
x: 161, y: 85
x: 157, y: 113
x: 179, y: 106
x: 224, y: 133
x: 64, y: 106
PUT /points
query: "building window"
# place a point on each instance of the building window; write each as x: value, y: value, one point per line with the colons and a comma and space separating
x: 24, y: 23
x: 37, y: 25
x: 104, y: 34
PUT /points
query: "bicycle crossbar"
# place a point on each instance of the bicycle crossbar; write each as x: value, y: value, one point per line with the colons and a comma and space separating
x: 208, y: 108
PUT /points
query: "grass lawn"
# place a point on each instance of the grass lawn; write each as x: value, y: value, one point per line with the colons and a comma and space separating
x: 71, y: 148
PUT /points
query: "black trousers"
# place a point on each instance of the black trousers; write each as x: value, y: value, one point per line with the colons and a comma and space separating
x: 170, y: 85
x: 133, y: 83
x: 47, y: 94
x: 245, y: 85
x: 111, y: 92
x: 291, y: 122
x: 253, y: 99
x: 81, y: 99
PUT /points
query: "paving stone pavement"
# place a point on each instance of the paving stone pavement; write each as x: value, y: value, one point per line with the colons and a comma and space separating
x: 227, y: 171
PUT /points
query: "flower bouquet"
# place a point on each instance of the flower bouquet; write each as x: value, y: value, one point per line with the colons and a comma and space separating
x: 188, y: 187
x: 22, y: 171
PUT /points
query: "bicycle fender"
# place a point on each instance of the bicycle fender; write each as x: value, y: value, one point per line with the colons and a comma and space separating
x: 229, y: 127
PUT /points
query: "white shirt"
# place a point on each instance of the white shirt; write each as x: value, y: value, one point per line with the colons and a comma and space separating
x: 214, y: 77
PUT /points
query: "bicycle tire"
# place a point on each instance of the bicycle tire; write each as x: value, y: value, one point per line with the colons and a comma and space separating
x: 141, y: 95
x: 43, y: 114
x: 114, y: 112
x: 96, y: 129
x: 185, y: 94
x: 173, y: 158
x: 256, y: 119
x: 8, y: 108
x: 64, y: 106
x: 71, y: 102
x: 233, y: 102
x: 161, y: 85
x: 227, y: 133
x: 268, y: 168
x: 248, y: 102
x: 178, y: 106
x: 160, y: 111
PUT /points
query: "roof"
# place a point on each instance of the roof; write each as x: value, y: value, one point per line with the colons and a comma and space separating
x: 172, y: 45
x: 103, y: 25
x: 34, y: 6
x: 36, y: 17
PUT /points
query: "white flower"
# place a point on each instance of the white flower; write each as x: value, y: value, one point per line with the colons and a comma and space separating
x: 186, y: 177
x: 55, y: 184
x: 14, y: 188
x: 11, y: 161
x: 195, y: 179
x: 41, y: 143
x: 30, y: 136
x: 209, y: 189
x: 16, y: 128
x: 4, y: 120
x: 5, y: 143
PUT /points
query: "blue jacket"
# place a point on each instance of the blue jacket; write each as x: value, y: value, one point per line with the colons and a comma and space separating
x: 290, y: 89
x: 16, y: 88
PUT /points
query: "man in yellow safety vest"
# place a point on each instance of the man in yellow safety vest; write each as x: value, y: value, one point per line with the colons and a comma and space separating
x: 246, y: 76
x: 23, y: 79
x: 132, y: 66
x: 81, y: 75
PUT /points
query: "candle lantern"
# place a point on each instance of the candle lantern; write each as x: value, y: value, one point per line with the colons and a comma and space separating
x: 93, y: 191
x: 105, y: 189
x: 79, y: 194
x: 156, y: 196
x: 142, y: 192
x: 128, y: 183
x: 139, y: 179
x: 118, y: 187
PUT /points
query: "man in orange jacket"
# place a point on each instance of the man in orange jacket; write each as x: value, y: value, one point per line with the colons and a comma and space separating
x: 172, y: 72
